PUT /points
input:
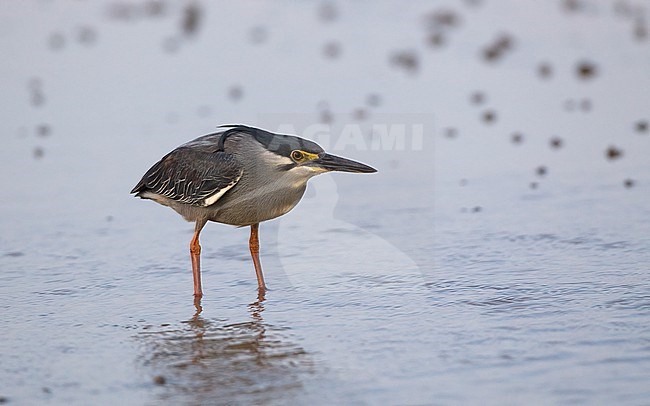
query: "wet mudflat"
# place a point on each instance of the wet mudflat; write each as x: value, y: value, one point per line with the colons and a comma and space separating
x: 501, y: 258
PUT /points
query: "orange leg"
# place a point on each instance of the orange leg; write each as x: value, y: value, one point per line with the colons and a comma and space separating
x: 195, y: 254
x: 254, y: 245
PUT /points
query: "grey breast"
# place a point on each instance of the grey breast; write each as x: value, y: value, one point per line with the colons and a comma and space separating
x: 264, y: 192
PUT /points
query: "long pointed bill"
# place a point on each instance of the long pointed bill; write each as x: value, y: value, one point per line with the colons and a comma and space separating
x: 336, y: 163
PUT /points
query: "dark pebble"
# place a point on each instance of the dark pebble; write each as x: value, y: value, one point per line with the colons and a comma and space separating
x: 477, y: 209
x: 4, y: 399
x: 640, y: 30
x: 86, y: 35
x: 43, y: 130
x: 191, y: 19
x: 586, y: 70
x: 641, y: 126
x: 504, y: 42
x: 405, y: 59
x: 533, y: 185
x: 326, y: 117
x: 360, y: 114
x: 441, y: 19
x: 477, y: 97
x: 38, y: 152
x: 556, y: 142
x: 37, y: 98
x: 451, y: 132
x: 572, y: 5
x: 327, y: 12
x: 258, y: 35
x: 235, y: 93
x: 332, y: 50
x: 541, y: 171
x: 491, y: 54
x: 613, y: 153
x: 628, y: 183
x: 544, y: 70
x: 159, y: 380
x: 154, y: 8
x: 436, y: 39
x: 494, y: 51
x: 517, y: 138
x: 373, y: 100
x: 489, y: 116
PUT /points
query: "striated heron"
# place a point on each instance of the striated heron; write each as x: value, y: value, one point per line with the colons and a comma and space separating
x: 240, y: 176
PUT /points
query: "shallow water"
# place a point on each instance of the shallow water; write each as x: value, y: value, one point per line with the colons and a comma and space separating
x: 445, y: 278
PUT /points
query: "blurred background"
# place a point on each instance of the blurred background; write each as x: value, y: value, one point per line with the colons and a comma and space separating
x: 500, y: 254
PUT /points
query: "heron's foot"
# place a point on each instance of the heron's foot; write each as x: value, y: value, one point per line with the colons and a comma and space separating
x: 197, y: 305
x: 261, y: 293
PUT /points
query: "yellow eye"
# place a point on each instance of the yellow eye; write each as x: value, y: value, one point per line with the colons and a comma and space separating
x: 297, y: 156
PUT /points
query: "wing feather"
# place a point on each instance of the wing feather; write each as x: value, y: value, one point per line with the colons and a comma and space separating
x: 191, y: 176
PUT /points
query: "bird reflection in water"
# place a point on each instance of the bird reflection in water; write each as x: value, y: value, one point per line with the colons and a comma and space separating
x: 205, y: 361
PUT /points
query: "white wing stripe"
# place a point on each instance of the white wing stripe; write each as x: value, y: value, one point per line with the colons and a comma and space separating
x: 213, y: 199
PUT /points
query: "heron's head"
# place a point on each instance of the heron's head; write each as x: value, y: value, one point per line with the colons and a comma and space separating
x: 306, y: 158
x: 312, y: 160
x: 301, y: 157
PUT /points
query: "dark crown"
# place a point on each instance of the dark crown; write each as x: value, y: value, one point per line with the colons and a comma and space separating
x: 281, y: 144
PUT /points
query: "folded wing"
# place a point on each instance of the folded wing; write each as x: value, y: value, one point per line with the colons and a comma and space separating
x: 191, y: 176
